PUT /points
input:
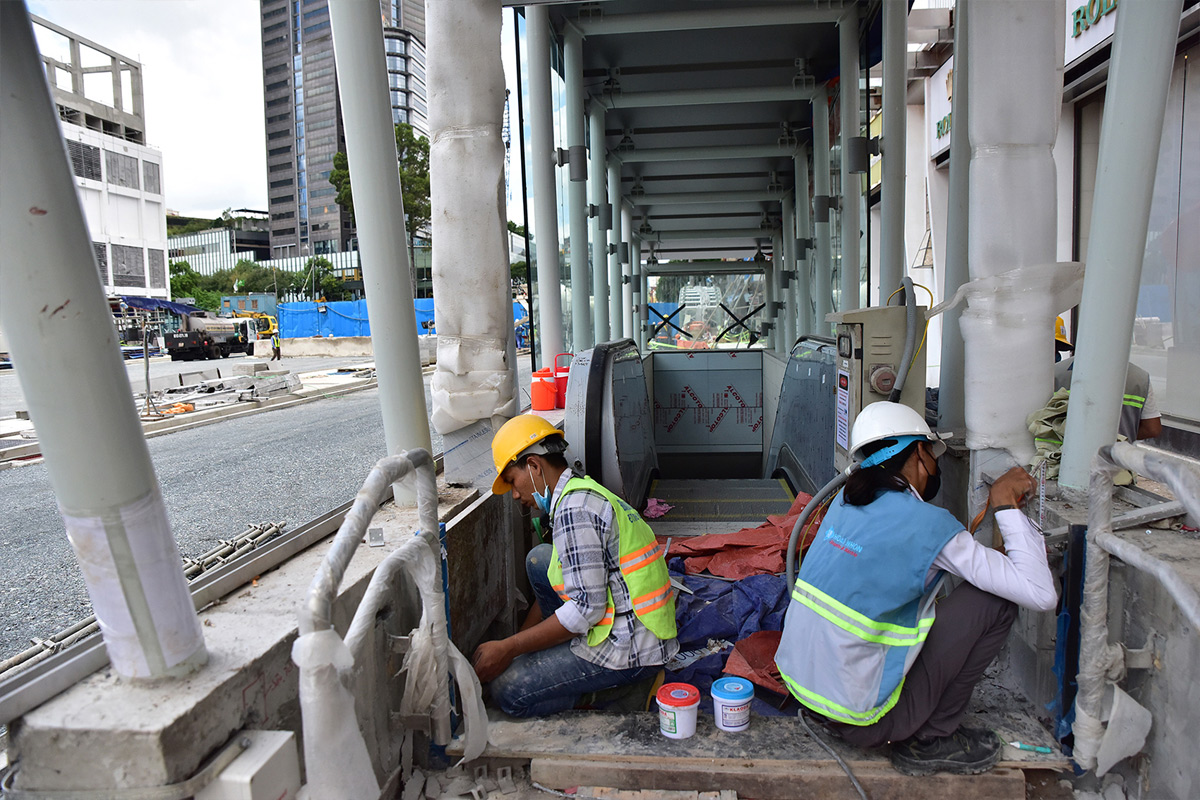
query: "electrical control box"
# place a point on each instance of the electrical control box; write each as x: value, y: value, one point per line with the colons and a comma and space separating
x: 870, y: 348
x: 269, y: 769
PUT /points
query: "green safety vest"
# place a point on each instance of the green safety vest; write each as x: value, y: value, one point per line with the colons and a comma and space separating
x: 1137, y: 386
x: 643, y: 568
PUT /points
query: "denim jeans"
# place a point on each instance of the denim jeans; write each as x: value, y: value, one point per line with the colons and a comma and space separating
x: 553, y: 680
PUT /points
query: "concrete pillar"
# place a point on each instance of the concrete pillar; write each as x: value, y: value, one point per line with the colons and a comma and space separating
x: 851, y: 182
x: 1130, y: 134
x: 823, y: 272
x: 383, y: 252
x: 895, y: 89
x: 64, y: 346
x: 582, y: 335
x: 770, y: 315
x: 802, y: 291
x: 951, y: 391
x: 781, y: 293
x: 541, y: 176
x: 597, y: 182
x: 616, y: 288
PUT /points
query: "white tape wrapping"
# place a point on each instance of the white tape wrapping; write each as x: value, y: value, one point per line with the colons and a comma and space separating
x: 131, y: 567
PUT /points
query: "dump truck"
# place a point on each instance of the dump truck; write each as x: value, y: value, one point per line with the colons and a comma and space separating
x: 202, y: 335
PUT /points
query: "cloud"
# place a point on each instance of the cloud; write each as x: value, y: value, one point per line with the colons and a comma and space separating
x: 202, y: 88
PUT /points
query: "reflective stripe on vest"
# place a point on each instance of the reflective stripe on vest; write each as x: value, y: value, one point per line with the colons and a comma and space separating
x: 642, y: 565
x: 861, y: 626
x: 830, y: 709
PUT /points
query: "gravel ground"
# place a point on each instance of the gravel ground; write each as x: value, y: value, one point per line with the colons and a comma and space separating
x: 291, y: 465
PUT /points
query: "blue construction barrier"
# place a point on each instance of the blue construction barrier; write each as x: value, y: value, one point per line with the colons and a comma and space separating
x: 350, y: 318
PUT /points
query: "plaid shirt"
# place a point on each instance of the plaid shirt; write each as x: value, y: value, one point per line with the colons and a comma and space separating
x: 588, y: 546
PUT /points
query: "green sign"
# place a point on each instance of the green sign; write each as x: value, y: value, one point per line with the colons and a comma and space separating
x: 1089, y: 14
x: 943, y: 126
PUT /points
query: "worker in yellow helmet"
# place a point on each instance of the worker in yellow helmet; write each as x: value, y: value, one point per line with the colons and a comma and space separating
x: 605, y: 614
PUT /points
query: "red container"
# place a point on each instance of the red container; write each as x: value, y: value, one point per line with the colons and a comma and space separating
x: 543, y: 393
x: 561, y: 373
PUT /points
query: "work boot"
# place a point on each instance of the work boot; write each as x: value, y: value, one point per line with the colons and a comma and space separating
x: 967, y: 751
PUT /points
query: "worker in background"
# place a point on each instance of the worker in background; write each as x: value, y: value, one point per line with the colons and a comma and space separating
x: 605, y: 614
x: 275, y: 356
x: 1140, y: 417
x: 863, y: 644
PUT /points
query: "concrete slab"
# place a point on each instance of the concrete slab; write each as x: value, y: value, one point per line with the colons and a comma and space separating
x: 107, y: 733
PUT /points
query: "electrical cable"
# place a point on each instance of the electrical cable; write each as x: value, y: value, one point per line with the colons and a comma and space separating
x: 841, y: 763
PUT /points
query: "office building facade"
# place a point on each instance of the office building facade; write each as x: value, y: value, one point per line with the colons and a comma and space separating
x: 303, y: 116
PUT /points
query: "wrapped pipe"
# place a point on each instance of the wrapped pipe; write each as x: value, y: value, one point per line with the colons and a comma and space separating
x: 1097, y: 657
x: 910, y: 337
x: 826, y: 492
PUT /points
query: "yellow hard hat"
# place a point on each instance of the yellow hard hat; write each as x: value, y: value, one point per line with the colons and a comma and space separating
x: 1060, y: 331
x: 515, y: 437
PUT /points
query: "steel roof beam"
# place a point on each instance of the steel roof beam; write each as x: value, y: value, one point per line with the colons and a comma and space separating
x: 701, y: 198
x: 707, y: 96
x: 716, y: 152
x: 664, y: 21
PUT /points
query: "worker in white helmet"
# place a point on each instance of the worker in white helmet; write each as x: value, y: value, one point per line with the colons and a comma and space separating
x: 861, y: 644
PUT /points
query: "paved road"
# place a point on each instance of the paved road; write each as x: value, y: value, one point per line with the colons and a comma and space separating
x: 290, y: 464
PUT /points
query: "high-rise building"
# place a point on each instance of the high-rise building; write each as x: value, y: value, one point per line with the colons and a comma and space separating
x: 118, y: 178
x: 304, y: 120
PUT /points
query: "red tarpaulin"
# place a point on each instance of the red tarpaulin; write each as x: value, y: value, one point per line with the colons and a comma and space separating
x: 750, y: 551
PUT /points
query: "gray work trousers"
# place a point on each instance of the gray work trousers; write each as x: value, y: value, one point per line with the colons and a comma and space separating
x: 971, y: 627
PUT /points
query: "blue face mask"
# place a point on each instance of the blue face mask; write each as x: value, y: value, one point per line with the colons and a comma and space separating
x: 541, y: 499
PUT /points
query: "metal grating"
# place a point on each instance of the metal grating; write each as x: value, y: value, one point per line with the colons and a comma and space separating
x: 158, y: 269
x: 101, y: 260
x: 122, y: 169
x: 128, y: 266
x: 85, y: 160
x: 152, y: 177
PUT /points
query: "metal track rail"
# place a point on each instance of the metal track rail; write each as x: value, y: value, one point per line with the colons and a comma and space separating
x: 30, y: 688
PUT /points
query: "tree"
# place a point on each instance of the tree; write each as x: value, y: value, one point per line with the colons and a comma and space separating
x: 186, y: 282
x: 413, y: 163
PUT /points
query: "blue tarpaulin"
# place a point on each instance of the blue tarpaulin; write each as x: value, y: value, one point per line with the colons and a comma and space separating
x: 349, y: 318
x: 153, y: 304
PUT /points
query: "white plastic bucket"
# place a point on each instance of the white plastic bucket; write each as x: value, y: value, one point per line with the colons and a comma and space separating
x: 677, y: 706
x: 731, y: 703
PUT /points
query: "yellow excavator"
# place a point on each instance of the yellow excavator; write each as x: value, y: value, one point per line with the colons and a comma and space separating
x: 265, y: 324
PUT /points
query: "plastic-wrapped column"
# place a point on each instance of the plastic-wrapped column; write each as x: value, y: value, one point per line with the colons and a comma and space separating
x: 1015, y: 48
x: 581, y: 324
x: 476, y: 362
x: 597, y: 184
x: 541, y: 173
x: 823, y: 274
x: 63, y: 343
x: 616, y: 289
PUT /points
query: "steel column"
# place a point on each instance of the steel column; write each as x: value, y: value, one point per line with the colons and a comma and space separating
x: 823, y: 273
x: 615, y: 286
x: 951, y: 392
x: 371, y: 150
x: 895, y: 88
x: 64, y: 346
x: 1135, y: 102
x: 597, y: 180
x: 541, y: 173
x: 625, y: 237
x: 851, y: 182
x: 581, y: 288
x: 802, y: 290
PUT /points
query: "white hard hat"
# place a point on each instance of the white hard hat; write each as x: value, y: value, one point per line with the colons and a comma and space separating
x: 888, y: 420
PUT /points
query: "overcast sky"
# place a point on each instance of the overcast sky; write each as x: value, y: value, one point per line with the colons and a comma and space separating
x: 202, y: 86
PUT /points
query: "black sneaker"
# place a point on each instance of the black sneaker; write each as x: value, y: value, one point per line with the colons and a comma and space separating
x: 967, y: 751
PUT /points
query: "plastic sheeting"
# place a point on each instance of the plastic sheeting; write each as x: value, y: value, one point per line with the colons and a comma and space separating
x: 154, y: 304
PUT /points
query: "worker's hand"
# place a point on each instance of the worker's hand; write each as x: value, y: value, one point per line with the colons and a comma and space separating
x: 491, y: 658
x: 1011, y: 488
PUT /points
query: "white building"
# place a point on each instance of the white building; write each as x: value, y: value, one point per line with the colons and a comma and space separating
x: 118, y: 177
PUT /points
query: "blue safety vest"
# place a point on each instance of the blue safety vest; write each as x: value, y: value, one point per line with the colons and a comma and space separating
x: 860, y: 610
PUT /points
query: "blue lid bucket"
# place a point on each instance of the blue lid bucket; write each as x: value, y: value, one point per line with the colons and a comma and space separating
x: 731, y: 703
